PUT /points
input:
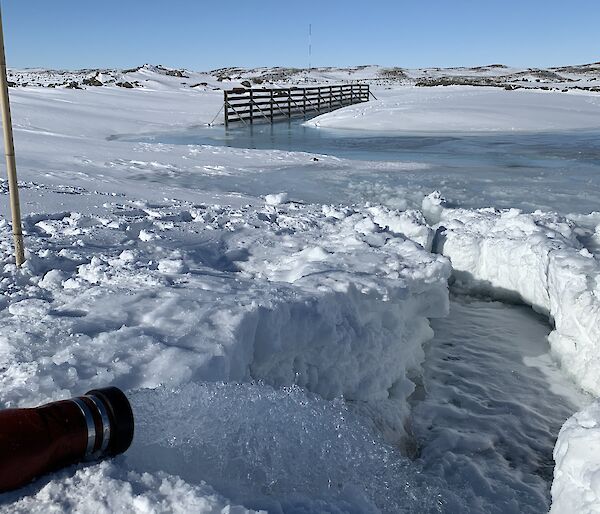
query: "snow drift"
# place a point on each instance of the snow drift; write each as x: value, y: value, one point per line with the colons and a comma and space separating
x: 466, y: 109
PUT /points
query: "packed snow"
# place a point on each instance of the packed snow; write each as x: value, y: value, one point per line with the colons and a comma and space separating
x: 270, y: 312
x: 457, y: 109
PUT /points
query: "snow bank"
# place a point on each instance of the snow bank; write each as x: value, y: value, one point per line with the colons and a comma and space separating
x: 325, y: 298
x: 576, y: 486
x: 535, y: 258
x: 335, y: 300
x: 467, y: 109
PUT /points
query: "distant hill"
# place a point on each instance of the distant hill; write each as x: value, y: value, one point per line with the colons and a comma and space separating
x: 584, y: 77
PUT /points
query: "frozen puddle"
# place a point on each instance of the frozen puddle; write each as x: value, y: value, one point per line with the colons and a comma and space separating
x: 491, y: 406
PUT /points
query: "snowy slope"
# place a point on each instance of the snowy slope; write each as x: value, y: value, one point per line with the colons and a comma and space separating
x: 466, y: 109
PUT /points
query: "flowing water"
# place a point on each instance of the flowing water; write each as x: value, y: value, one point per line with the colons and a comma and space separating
x: 548, y: 171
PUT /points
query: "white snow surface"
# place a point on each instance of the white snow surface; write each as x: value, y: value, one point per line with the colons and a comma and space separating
x: 467, y: 109
x: 201, y: 298
x: 108, y: 487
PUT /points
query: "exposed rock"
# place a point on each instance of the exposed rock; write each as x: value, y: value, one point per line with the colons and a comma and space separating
x: 176, y: 73
x: 92, y: 81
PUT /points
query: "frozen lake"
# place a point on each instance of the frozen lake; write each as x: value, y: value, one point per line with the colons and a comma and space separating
x: 549, y: 171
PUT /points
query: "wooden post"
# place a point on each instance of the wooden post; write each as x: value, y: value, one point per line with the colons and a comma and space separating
x: 271, y: 104
x: 226, y: 102
x: 330, y: 97
x: 251, y: 107
x: 290, y: 103
x: 304, y: 102
x: 9, y: 150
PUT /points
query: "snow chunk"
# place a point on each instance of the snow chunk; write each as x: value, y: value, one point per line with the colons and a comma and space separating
x: 410, y: 224
x: 433, y: 206
x: 30, y: 308
x: 276, y: 199
x: 146, y: 235
x: 171, y: 266
x: 576, y: 486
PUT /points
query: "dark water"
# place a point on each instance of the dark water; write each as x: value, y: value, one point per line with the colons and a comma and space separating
x: 549, y: 171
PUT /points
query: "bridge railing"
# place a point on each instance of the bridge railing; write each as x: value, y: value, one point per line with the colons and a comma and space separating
x: 268, y: 105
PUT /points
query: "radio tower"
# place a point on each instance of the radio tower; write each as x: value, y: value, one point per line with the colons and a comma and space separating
x: 309, y: 45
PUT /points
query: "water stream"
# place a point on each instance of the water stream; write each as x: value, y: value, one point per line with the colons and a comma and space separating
x: 548, y: 171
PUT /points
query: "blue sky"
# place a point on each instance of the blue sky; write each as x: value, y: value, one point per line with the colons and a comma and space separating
x: 205, y: 35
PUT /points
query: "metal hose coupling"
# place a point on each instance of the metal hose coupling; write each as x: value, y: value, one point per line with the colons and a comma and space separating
x: 109, y: 421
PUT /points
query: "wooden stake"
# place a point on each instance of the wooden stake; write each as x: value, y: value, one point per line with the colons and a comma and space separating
x: 9, y: 150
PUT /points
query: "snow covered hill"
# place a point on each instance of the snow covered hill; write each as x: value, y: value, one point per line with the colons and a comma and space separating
x: 584, y: 77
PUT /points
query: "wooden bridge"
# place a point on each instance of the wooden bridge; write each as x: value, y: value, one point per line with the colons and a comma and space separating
x: 268, y: 105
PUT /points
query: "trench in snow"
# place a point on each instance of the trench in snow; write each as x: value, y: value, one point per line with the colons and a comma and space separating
x: 491, y: 404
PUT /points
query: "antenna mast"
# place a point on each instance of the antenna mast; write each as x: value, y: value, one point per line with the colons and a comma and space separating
x: 309, y: 45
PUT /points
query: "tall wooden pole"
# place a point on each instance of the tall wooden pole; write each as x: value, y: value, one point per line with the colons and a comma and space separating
x: 9, y: 150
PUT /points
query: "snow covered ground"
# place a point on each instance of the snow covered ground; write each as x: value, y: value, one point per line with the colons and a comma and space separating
x: 457, y: 109
x: 238, y: 295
